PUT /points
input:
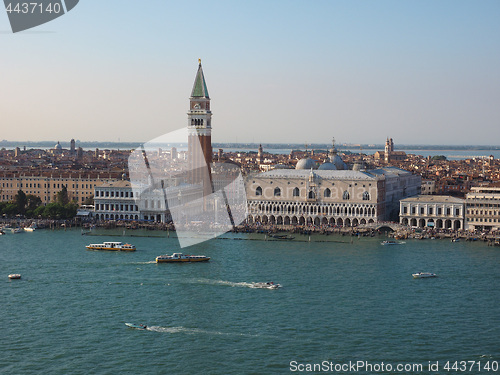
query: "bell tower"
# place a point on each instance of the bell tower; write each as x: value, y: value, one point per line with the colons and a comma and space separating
x: 200, y: 133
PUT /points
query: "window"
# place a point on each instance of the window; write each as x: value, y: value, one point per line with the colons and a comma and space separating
x: 296, y: 192
x: 258, y: 191
x: 311, y: 195
x: 277, y: 192
x: 346, y: 195
x: 366, y: 196
x: 327, y: 193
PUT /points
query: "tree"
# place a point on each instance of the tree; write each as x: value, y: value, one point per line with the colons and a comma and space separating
x: 39, y: 211
x: 70, y: 210
x: 62, y: 196
x: 33, y: 202
x: 20, y: 200
x: 10, y: 209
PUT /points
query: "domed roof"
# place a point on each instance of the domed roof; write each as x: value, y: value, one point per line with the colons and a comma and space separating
x: 306, y: 163
x: 338, y: 162
x: 58, y: 146
x: 327, y: 166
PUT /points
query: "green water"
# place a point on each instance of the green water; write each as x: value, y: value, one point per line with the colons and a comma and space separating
x: 340, y: 302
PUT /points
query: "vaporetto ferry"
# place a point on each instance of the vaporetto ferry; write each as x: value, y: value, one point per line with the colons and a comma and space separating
x: 111, y: 246
x: 180, y: 258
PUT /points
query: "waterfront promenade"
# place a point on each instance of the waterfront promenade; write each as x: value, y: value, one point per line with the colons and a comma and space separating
x: 385, y: 229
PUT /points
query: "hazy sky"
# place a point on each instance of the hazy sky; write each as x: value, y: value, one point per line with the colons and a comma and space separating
x: 423, y: 72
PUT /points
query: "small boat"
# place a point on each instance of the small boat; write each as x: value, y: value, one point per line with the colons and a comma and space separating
x: 29, y: 229
x: 136, y: 326
x: 391, y: 242
x: 14, y: 276
x: 268, y: 285
x: 423, y: 275
x: 17, y: 230
x: 179, y: 258
x: 111, y: 246
x: 455, y: 239
x: 283, y: 237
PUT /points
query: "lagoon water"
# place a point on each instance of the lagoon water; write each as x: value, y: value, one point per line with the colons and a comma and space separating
x: 340, y: 302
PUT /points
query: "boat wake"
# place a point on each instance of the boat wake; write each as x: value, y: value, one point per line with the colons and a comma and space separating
x: 194, y: 331
x: 227, y: 283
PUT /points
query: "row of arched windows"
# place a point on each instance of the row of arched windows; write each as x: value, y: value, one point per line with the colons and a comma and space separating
x: 327, y: 193
x: 293, y: 208
x: 196, y: 121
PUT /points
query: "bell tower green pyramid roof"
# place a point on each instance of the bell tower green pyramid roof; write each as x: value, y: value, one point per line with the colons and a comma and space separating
x: 200, y: 87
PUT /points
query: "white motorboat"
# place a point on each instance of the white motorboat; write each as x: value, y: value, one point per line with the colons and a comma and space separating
x: 391, y: 242
x: 268, y: 285
x: 181, y: 258
x: 111, y: 246
x: 423, y: 275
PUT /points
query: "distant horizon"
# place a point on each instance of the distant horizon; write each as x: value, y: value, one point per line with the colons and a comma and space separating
x: 272, y: 145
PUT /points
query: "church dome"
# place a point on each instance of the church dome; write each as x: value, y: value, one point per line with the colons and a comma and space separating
x: 338, y: 162
x: 306, y: 163
x: 327, y: 166
x: 58, y: 146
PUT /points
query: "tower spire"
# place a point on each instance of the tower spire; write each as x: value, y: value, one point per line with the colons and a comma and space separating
x: 200, y: 86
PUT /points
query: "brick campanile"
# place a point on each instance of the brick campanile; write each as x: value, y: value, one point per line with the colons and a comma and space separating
x: 200, y: 133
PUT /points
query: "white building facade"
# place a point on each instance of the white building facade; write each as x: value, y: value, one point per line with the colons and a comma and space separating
x: 115, y: 201
x: 483, y: 209
x: 435, y: 211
